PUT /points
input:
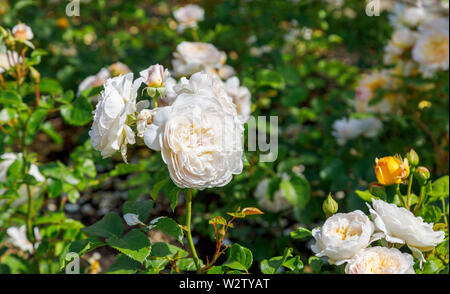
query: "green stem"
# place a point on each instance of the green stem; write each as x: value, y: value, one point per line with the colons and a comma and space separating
x: 411, y: 176
x: 399, y: 194
x: 444, y: 212
x: 421, y: 198
x: 188, y: 229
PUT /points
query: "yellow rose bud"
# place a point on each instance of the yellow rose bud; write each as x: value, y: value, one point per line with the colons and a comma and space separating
x: 391, y: 170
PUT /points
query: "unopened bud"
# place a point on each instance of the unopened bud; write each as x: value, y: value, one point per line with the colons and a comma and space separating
x: 329, y: 206
x: 35, y: 75
x: 422, y: 175
x: 413, y: 158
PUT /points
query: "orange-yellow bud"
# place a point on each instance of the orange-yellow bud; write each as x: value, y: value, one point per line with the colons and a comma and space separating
x: 391, y: 170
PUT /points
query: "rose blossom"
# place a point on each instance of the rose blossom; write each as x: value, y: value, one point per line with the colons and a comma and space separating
x: 346, y: 129
x: 380, y: 260
x: 192, y: 57
x: 188, y: 16
x: 109, y: 132
x: 155, y: 76
x: 18, y: 237
x: 432, y: 50
x: 199, y: 138
x: 279, y: 202
x: 8, y: 59
x: 399, y: 225
x: 342, y: 235
x: 241, y: 98
x: 22, y: 32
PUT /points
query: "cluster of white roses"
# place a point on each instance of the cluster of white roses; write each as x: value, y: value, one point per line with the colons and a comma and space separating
x: 420, y: 42
x: 345, y: 237
x: 197, y: 124
x: 347, y: 129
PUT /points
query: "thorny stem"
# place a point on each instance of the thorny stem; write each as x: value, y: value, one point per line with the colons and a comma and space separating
x: 188, y: 229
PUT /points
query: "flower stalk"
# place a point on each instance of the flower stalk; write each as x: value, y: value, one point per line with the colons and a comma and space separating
x: 188, y: 229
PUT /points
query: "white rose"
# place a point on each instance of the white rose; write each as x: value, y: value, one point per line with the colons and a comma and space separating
x: 22, y: 32
x: 155, y: 76
x: 199, y: 139
x: 18, y: 237
x: 226, y: 72
x: 342, y: 235
x: 192, y: 57
x: 109, y: 132
x: 7, y: 159
x: 188, y: 16
x: 366, y: 91
x: 432, y: 51
x: 399, y: 225
x: 241, y: 98
x: 8, y: 59
x: 404, y: 38
x: 346, y: 129
x: 414, y: 16
x: 380, y: 260
x: 370, y: 127
x: 279, y: 202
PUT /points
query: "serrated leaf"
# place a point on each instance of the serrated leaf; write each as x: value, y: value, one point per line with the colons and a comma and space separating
x: 79, y: 113
x: 135, y: 245
x: 296, y: 190
x: 109, y: 226
x: 124, y: 265
x: 168, y: 226
x: 141, y: 208
x: 239, y: 258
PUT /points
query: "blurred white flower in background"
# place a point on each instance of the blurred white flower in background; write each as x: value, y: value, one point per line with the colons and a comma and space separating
x: 8, y: 59
x: 22, y: 32
x: 100, y: 78
x: 279, y: 202
x: 241, y: 97
x: 380, y: 260
x: 188, y: 16
x: 18, y: 237
x: 347, y: 129
x: 432, y: 48
x: 7, y: 159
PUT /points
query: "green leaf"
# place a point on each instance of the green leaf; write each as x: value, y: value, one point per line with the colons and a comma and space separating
x: 141, y: 208
x: 73, y: 196
x: 294, y: 264
x: 433, y: 266
x: 124, y: 265
x: 365, y: 195
x: 49, y: 129
x: 301, y: 234
x: 10, y: 98
x: 168, y: 226
x: 54, y: 187
x: 35, y: 121
x: 315, y: 263
x: 157, y: 187
x: 51, y: 86
x: 79, y: 247
x: 79, y: 113
x: 87, y: 167
x: 440, y: 189
x: 239, y: 258
x: 272, y: 265
x: 216, y: 270
x: 267, y: 77
x: 294, y: 97
x: 296, y: 190
x: 135, y: 244
x: 172, y: 192
x: 186, y: 265
x: 163, y: 249
x: 109, y: 226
